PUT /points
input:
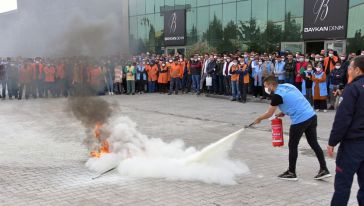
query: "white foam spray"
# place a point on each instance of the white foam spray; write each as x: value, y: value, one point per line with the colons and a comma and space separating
x: 136, y: 155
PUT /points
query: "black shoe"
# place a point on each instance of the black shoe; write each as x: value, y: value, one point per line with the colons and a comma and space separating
x: 288, y: 176
x: 322, y: 174
x: 233, y: 100
x: 169, y: 93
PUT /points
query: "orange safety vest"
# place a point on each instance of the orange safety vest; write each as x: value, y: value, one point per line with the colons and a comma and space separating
x: 49, y: 74
x: 152, y: 72
x: 176, y: 70
x: 60, y: 71
x: 163, y: 75
x: 246, y: 78
x: 234, y: 77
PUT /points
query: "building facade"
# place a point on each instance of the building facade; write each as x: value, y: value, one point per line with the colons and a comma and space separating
x: 260, y: 25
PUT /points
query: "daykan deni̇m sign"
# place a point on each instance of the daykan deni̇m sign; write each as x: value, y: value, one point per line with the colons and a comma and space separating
x: 175, y: 28
x: 325, y: 19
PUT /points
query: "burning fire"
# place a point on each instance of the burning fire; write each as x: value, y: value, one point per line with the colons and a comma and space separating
x: 103, y: 147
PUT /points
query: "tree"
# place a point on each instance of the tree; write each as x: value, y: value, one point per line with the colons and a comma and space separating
x: 250, y: 35
x: 292, y: 30
x: 214, y: 34
x: 271, y: 37
x: 230, y: 37
x: 192, y: 36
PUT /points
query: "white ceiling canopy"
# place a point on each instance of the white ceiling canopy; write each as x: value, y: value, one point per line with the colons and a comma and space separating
x: 8, y: 5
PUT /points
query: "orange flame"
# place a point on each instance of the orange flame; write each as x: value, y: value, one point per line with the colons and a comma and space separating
x: 104, y: 144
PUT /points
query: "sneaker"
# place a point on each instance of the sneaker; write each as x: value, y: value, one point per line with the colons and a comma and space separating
x: 317, y: 110
x: 288, y: 176
x: 322, y: 175
x: 325, y: 110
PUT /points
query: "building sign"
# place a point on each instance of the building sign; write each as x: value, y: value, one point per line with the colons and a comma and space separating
x: 325, y: 19
x: 175, y: 28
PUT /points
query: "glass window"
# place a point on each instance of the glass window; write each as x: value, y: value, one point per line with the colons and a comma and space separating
x: 142, y: 31
x: 216, y: 10
x: 169, y: 5
x: 295, y: 7
x: 229, y: 1
x: 191, y: 26
x: 260, y: 12
x: 215, y: 2
x: 149, y: 6
x: 244, y: 10
x: 132, y: 8
x: 191, y: 3
x: 276, y: 10
x: 159, y: 5
x: 355, y: 23
x: 355, y: 2
x: 140, y: 7
x: 229, y: 13
x: 133, y: 26
x: 202, y: 20
x: 203, y: 2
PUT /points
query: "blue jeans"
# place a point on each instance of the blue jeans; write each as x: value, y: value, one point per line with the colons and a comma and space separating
x: 151, y: 86
x: 110, y: 84
x: 290, y: 80
x: 349, y: 160
x: 196, y: 82
x: 235, y: 89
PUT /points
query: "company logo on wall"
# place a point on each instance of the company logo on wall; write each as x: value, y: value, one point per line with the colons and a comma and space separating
x: 175, y: 28
x: 325, y: 19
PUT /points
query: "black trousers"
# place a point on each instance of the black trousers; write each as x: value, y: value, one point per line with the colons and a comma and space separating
x: 309, y: 127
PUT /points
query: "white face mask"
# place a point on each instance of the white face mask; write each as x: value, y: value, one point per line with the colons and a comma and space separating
x: 318, y: 69
x: 260, y: 63
x: 331, y: 55
x: 317, y: 59
x: 342, y: 58
x: 302, y: 59
x: 337, y: 67
x: 309, y: 69
x: 267, y: 90
x: 307, y: 60
x: 321, y: 59
x: 362, y: 54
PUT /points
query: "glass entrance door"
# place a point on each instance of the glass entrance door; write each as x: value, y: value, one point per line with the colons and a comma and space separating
x: 336, y: 45
x: 175, y: 50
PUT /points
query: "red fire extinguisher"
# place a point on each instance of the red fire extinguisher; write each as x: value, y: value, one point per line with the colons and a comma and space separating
x: 277, y: 132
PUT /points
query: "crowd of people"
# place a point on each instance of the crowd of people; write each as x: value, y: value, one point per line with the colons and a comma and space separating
x: 320, y: 77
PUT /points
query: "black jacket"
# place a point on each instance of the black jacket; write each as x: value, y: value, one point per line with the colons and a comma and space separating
x: 211, y: 67
x: 349, y: 119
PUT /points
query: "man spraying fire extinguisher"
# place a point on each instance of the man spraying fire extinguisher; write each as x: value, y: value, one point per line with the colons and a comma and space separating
x: 292, y: 103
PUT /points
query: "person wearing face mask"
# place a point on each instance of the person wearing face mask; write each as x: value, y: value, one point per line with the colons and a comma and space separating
x: 130, y: 72
x: 329, y: 62
x: 319, y: 89
x: 279, y: 70
x: 220, y: 76
x: 306, y: 75
x: 290, y: 69
x: 300, y: 65
x: 227, y: 76
x: 291, y: 102
x: 152, y: 71
x: 163, y: 78
x: 258, y: 79
x: 204, y: 74
x: 348, y: 131
x: 234, y: 71
x: 337, y: 80
x: 176, y: 72
x: 141, y: 77
x: 196, y: 71
x: 243, y: 81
